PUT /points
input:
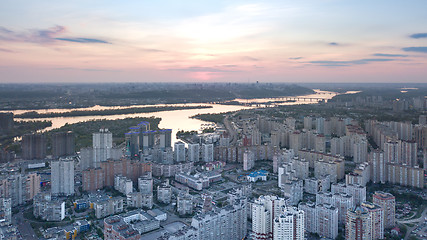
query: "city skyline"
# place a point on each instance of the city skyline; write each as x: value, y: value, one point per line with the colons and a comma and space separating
x: 221, y: 41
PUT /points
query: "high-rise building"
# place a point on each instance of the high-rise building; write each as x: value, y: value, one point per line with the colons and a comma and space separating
x: 6, y: 122
x: 408, y: 153
x: 93, y: 179
x: 33, y: 146
x: 193, y: 152
x: 228, y: 223
x: 378, y: 166
x: 326, y: 221
x: 320, y: 125
x: 358, y: 192
x: 207, y: 152
x: 62, y: 176
x: 308, y: 123
x: 289, y: 224
x: 358, y: 225
x: 102, y: 145
x: 377, y: 219
x: 388, y: 203
x: 248, y: 160
x: 391, y: 152
x: 264, y: 210
x: 63, y: 144
x: 179, y: 151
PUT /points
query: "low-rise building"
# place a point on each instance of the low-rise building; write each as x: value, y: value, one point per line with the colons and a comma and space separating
x: 48, y: 208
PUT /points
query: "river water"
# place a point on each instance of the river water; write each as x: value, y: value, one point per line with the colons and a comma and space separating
x: 176, y: 120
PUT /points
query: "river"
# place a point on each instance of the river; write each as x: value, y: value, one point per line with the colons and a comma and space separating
x: 176, y: 120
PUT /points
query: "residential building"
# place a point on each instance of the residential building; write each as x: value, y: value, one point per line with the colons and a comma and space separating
x: 62, y: 176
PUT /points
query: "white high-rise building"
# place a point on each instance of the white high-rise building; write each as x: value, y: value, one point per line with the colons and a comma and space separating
x: 391, y: 152
x: 62, y: 177
x: 378, y: 166
x: 102, y: 145
x: 248, y: 160
x: 179, y: 152
x: 263, y: 210
x: 228, y: 223
x: 207, y: 152
x: 320, y: 125
x: 360, y: 150
x: 327, y: 221
x: 308, y: 122
x: 289, y: 224
x: 193, y: 152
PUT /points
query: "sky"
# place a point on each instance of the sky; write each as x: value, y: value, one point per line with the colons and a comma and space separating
x: 213, y: 41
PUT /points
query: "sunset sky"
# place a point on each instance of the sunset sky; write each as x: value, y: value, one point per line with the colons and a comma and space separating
x: 213, y: 41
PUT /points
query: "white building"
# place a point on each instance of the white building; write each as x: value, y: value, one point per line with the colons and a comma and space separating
x: 102, y: 145
x: 145, y: 183
x: 179, y: 151
x: 289, y: 224
x: 248, y: 160
x: 123, y: 184
x: 327, y: 221
x: 228, y: 223
x: 193, y: 152
x: 358, y: 192
x: 207, y: 152
x: 62, y: 176
x: 263, y: 210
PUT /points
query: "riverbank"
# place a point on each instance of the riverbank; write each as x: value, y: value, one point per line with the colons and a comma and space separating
x: 78, y: 113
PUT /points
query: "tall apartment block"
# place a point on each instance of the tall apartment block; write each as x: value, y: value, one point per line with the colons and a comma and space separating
x: 33, y: 146
x: 62, y: 180
x: 63, y: 144
x: 388, y: 204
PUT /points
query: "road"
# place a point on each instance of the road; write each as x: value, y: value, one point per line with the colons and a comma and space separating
x: 230, y: 129
x: 417, y: 221
x: 24, y: 226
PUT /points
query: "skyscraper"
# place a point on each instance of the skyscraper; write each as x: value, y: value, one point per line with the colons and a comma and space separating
x: 358, y: 224
x: 102, y: 145
x: 33, y: 146
x: 264, y: 210
x: 207, y: 152
x: 62, y: 179
x: 63, y: 144
x: 377, y: 219
x: 193, y: 152
x: 388, y: 204
x: 289, y: 224
x: 179, y: 151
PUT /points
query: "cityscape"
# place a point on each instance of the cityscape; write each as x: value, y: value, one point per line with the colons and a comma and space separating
x: 213, y: 120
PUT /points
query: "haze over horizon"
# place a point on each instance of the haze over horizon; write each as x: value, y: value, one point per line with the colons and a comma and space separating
x: 213, y: 41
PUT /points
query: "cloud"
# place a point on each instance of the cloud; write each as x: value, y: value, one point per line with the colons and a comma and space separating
x: 248, y: 58
x: 418, y: 35
x: 6, y: 50
x: 201, y: 69
x: 415, y: 49
x: 82, y: 40
x: 350, y: 62
x: 88, y: 69
x: 43, y: 36
x: 229, y: 65
x: 296, y: 58
x: 333, y: 44
x: 388, y: 55
x: 152, y: 50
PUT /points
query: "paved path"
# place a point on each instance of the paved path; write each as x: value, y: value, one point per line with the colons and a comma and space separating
x: 24, y: 226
